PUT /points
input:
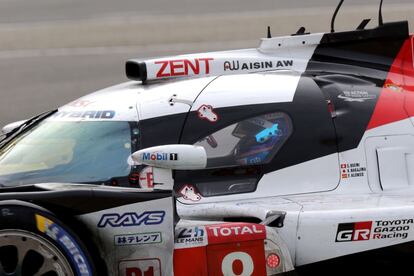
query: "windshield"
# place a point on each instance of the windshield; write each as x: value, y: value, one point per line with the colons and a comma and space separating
x: 69, y: 151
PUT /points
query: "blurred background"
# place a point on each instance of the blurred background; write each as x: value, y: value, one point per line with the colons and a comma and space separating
x: 53, y: 51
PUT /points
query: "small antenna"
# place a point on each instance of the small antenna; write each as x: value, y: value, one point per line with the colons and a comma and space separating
x: 381, y: 22
x: 334, y: 16
x: 269, y: 34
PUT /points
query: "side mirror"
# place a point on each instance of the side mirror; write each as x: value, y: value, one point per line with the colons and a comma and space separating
x: 10, y: 127
x: 176, y: 157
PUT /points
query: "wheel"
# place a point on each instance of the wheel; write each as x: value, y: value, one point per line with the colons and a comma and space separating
x: 34, y: 242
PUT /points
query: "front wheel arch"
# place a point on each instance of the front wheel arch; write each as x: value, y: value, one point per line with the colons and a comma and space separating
x: 41, y: 227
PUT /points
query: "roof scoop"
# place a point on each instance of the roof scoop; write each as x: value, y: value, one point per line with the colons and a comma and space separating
x: 136, y: 70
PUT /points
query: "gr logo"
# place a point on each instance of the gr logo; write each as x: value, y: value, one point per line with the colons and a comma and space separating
x: 355, y: 231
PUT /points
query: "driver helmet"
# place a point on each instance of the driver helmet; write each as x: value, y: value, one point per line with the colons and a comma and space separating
x: 258, y: 138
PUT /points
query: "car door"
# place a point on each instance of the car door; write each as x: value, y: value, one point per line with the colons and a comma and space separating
x: 265, y: 134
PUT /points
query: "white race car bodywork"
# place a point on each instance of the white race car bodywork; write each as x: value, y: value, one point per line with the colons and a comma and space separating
x: 312, y: 135
x: 315, y: 195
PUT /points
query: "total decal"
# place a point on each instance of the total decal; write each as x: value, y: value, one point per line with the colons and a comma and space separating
x: 237, y: 231
x: 374, y: 230
x: 131, y: 219
x: 218, y: 63
x: 62, y: 237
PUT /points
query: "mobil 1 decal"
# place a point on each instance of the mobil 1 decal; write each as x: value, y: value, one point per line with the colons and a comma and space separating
x: 243, y: 65
x: 374, y: 230
x: 159, y: 156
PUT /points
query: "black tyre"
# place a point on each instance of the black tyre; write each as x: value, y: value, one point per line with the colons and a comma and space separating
x: 34, y: 242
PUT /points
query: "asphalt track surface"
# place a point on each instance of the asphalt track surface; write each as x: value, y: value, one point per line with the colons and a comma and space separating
x: 52, y: 52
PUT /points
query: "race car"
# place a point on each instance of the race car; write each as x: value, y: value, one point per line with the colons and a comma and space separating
x: 245, y: 162
x: 73, y: 229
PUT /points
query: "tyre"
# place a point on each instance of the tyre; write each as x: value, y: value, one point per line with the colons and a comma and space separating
x: 34, y: 242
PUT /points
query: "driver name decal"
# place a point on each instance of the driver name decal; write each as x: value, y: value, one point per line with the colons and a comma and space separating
x: 350, y: 170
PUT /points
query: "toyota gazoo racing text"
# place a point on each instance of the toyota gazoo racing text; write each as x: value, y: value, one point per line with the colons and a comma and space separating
x: 245, y: 162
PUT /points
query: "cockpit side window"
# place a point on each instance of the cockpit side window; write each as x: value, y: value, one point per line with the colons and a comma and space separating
x: 253, y: 141
x: 236, y: 153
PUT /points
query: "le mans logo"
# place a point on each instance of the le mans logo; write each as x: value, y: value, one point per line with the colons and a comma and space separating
x: 356, y: 231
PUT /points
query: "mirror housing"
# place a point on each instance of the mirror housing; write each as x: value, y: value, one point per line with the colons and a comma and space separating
x: 10, y: 127
x: 176, y: 157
